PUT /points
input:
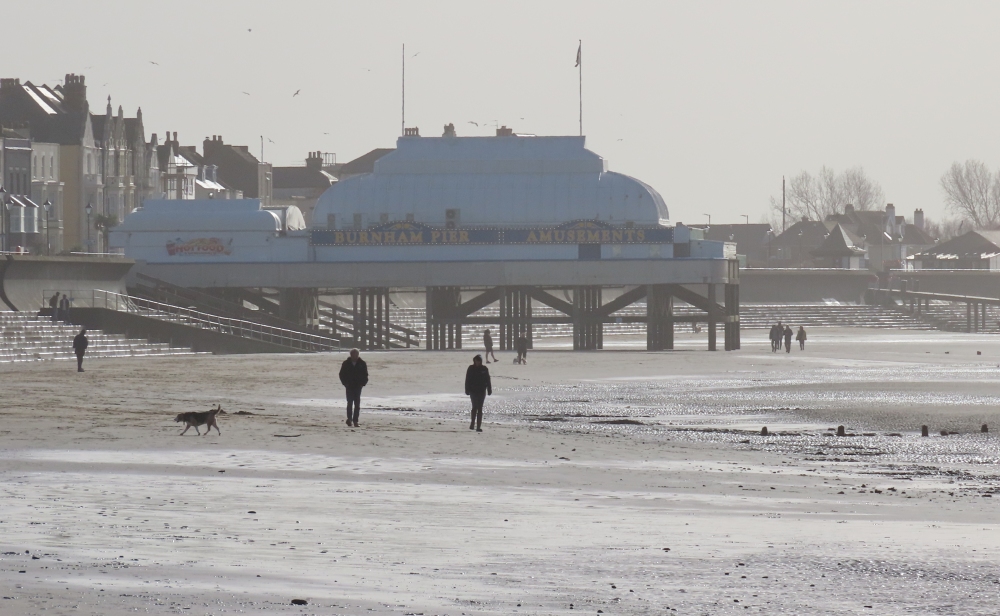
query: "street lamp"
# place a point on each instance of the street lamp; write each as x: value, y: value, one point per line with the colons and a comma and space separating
x: 709, y: 219
x: 747, y: 217
x: 48, y: 221
x: 90, y: 210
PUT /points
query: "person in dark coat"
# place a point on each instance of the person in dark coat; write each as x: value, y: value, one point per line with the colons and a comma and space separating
x: 488, y: 343
x: 477, y: 387
x: 522, y: 350
x: 64, y: 308
x: 788, y: 339
x: 80, y: 344
x: 54, y: 306
x: 776, y: 331
x: 801, y: 337
x: 354, y: 376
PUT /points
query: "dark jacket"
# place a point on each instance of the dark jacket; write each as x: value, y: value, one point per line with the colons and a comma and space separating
x: 354, y: 376
x: 487, y: 340
x: 775, y: 333
x: 521, y: 345
x: 477, y: 381
x: 788, y: 334
x: 80, y: 343
x: 801, y: 335
x: 54, y: 301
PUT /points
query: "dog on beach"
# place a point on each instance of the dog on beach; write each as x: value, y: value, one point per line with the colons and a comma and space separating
x: 195, y: 419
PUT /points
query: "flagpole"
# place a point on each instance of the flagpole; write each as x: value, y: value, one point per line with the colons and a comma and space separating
x: 580, y: 63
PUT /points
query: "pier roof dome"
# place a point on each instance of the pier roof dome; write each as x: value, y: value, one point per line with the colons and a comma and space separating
x: 505, y: 181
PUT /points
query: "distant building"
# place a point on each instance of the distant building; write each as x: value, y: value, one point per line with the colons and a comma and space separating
x: 794, y: 247
x: 239, y: 169
x: 889, y: 238
x: 185, y: 174
x: 841, y: 249
x: 362, y: 164
x: 973, y: 250
x: 18, y: 213
x: 751, y: 240
x: 103, y: 161
x: 47, y: 191
x: 303, y: 186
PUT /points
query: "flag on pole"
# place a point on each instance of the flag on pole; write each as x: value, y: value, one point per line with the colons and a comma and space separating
x: 579, y: 51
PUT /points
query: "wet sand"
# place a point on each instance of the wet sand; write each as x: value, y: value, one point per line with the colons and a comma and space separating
x: 620, y: 481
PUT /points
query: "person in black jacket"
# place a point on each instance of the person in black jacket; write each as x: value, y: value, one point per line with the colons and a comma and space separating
x: 477, y: 386
x: 788, y: 338
x: 80, y: 344
x: 354, y: 376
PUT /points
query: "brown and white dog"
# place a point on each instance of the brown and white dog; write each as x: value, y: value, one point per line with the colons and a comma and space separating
x: 200, y: 419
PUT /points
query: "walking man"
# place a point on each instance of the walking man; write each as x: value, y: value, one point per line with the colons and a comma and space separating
x: 80, y: 344
x: 354, y: 376
x: 801, y: 337
x: 54, y: 306
x: 788, y: 339
x: 477, y: 387
x: 64, y: 308
x: 488, y: 343
x: 522, y: 350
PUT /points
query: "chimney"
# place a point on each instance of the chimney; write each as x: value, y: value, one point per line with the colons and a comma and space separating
x: 890, y: 219
x: 503, y: 131
x: 314, y: 161
x: 849, y: 209
x: 75, y: 93
x: 449, y: 130
x: 918, y: 218
x: 211, y: 148
x: 411, y: 132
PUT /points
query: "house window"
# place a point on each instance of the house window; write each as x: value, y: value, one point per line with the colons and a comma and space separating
x: 331, y: 221
x: 451, y: 219
x: 357, y: 221
x: 383, y: 218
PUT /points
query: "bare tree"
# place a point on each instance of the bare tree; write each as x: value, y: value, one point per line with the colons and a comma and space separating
x: 827, y: 193
x: 972, y: 191
x: 946, y: 229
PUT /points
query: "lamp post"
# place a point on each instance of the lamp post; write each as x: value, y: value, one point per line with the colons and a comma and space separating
x: 709, y: 219
x: 746, y: 217
x: 48, y: 221
x: 90, y: 210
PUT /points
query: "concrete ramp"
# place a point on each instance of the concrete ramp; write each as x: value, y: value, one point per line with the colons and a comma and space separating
x: 26, y: 282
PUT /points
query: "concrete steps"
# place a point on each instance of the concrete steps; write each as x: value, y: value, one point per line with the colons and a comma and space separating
x: 25, y: 337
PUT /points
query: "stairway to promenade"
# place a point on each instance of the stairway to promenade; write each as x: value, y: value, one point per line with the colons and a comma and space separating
x: 26, y: 337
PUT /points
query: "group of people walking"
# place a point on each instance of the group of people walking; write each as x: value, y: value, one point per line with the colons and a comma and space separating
x: 781, y: 332
x: 520, y: 345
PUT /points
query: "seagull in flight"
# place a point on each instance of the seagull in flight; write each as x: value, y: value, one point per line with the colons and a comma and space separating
x: 296, y: 93
x: 156, y: 63
x: 416, y: 54
x: 247, y: 93
x: 269, y: 140
x: 249, y: 29
x: 471, y: 122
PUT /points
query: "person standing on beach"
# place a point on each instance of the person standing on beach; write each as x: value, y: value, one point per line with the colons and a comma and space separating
x: 488, y: 343
x: 80, y: 344
x: 801, y: 337
x: 54, y: 306
x: 776, y: 331
x: 522, y: 350
x: 788, y: 339
x: 354, y: 376
x: 477, y: 387
x: 64, y: 308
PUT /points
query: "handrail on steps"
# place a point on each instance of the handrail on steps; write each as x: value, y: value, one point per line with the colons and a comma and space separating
x: 237, y: 327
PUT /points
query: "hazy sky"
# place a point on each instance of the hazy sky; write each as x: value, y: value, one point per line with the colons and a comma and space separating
x: 709, y: 102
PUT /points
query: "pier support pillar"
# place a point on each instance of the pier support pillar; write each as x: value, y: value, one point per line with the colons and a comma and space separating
x: 588, y: 323
x: 370, y: 317
x: 659, y: 318
x: 712, y: 316
x: 299, y: 306
x: 515, y: 318
x: 444, y: 331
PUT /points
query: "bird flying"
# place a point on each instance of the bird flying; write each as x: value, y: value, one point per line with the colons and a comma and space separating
x: 156, y: 63
x: 471, y: 122
x: 247, y: 93
x: 296, y: 93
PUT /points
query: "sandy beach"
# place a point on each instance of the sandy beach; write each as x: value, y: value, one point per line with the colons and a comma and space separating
x: 614, y: 482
